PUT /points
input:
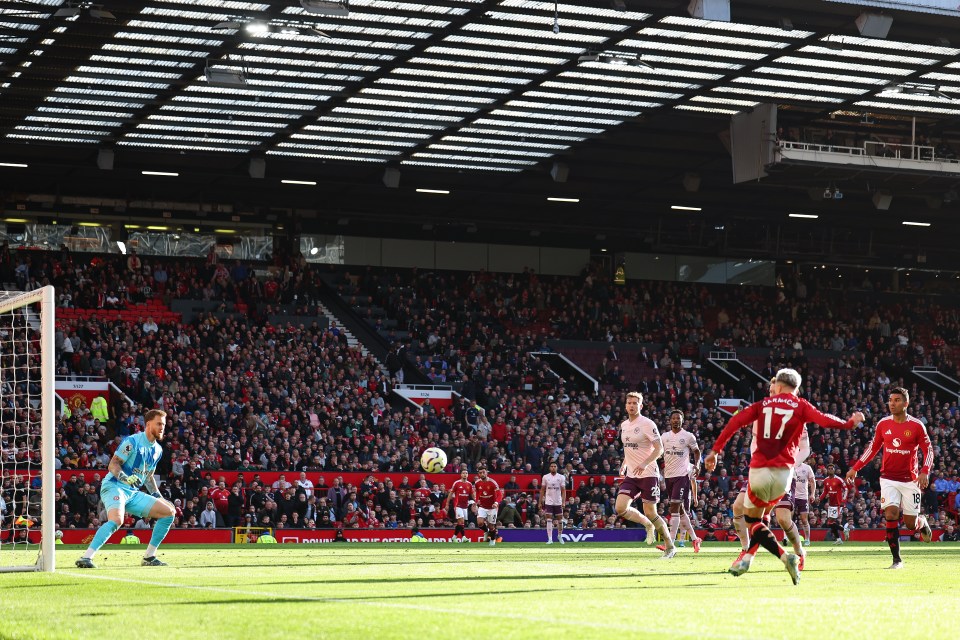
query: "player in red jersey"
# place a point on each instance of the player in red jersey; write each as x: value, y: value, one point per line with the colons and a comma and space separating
x: 462, y: 494
x: 900, y: 435
x: 488, y: 492
x: 777, y: 423
x: 834, y: 492
x: 783, y: 510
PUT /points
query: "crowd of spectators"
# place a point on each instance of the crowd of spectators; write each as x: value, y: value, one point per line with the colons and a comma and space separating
x: 246, y: 395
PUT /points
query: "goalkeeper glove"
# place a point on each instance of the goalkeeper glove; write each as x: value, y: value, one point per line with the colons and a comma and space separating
x: 132, y: 480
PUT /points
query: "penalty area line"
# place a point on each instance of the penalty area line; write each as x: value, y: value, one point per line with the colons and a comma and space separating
x: 395, y: 605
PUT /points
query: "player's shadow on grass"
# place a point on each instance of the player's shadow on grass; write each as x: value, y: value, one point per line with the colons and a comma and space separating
x: 280, y: 599
x: 51, y: 585
x: 559, y: 576
x: 335, y: 562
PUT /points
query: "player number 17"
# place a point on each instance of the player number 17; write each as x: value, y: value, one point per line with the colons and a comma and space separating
x: 768, y: 412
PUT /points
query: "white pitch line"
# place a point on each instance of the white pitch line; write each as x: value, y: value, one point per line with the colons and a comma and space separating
x: 487, y: 615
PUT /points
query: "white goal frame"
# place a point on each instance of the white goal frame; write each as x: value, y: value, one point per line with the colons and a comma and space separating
x: 46, y: 560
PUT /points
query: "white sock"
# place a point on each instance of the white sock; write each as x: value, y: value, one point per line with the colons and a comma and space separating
x: 741, y: 527
x: 793, y: 535
x: 150, y: 552
x: 633, y: 515
x: 674, y: 525
x: 661, y: 527
x: 688, y: 526
x: 549, y: 530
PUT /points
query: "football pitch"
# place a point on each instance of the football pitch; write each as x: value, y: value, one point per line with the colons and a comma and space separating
x: 475, y: 591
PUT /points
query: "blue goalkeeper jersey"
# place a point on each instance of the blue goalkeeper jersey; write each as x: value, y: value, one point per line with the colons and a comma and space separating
x: 139, y: 456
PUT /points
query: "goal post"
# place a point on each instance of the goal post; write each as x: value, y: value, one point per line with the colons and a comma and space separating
x: 27, y: 430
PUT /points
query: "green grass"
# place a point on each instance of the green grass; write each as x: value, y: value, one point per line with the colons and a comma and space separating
x: 474, y: 591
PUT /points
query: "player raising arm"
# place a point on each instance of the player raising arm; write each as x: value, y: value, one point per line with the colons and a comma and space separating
x: 777, y: 423
x: 131, y: 467
x: 900, y: 435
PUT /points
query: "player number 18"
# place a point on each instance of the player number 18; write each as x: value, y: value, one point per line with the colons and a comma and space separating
x: 768, y: 412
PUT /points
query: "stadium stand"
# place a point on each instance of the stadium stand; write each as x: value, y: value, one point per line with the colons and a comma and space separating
x: 248, y: 392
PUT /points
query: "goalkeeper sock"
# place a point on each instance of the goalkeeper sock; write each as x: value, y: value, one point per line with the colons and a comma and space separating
x: 160, y: 530
x: 100, y: 538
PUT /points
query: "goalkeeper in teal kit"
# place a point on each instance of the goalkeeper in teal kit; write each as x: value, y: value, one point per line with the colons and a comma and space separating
x: 132, y: 467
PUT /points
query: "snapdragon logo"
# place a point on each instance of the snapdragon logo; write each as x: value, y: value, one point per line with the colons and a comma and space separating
x: 576, y: 537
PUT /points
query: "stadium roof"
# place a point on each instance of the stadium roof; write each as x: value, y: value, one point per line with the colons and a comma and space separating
x: 493, y: 101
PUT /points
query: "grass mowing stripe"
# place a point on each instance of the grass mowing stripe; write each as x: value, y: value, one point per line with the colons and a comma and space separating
x: 513, y: 592
x: 445, y: 610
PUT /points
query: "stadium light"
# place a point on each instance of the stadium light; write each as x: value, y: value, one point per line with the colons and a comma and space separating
x: 614, y: 58
x: 326, y: 7
x: 16, y: 165
x: 257, y: 28
x: 916, y: 224
x: 225, y: 78
x: 563, y: 199
x: 100, y: 13
x: 72, y: 10
x: 122, y: 246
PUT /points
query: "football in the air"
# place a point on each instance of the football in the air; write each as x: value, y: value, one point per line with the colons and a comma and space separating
x: 433, y: 460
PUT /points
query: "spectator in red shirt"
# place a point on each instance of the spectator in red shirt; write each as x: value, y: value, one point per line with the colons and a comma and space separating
x: 221, y: 498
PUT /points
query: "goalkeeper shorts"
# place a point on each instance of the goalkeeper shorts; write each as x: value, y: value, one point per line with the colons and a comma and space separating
x: 118, y: 496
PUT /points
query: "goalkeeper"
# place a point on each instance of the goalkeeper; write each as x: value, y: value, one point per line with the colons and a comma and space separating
x: 131, y: 467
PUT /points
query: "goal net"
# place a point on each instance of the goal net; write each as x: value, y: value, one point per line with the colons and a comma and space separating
x: 27, y: 423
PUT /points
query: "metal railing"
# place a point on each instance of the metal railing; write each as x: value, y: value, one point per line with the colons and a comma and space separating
x: 874, y: 148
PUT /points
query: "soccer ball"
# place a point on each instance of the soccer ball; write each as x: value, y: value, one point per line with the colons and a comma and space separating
x: 433, y: 460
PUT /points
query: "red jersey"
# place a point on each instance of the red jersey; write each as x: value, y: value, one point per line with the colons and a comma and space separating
x: 777, y: 424
x: 834, y: 490
x: 486, y: 492
x: 461, y: 491
x: 900, y: 442
x: 421, y: 493
x: 221, y: 498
